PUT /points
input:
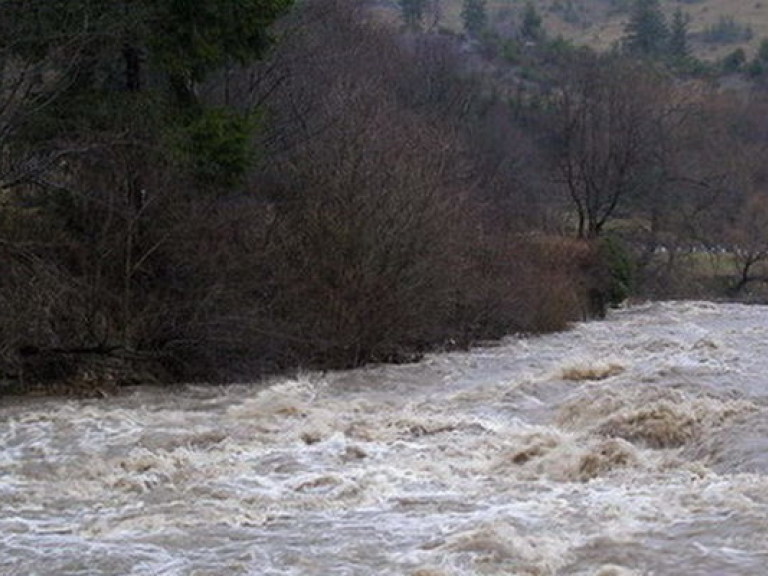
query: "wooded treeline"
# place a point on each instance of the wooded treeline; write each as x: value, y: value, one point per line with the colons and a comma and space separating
x: 193, y: 191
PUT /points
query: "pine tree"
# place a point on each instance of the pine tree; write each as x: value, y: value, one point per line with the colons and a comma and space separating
x: 474, y: 16
x: 412, y: 12
x: 757, y: 68
x: 531, y: 26
x: 182, y: 41
x: 762, y: 51
x: 134, y: 67
x: 646, y: 32
x: 734, y: 61
x: 678, y: 36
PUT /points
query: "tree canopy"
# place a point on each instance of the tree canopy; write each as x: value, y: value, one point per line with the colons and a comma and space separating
x: 474, y: 16
x: 412, y: 12
x: 646, y: 32
x: 94, y: 66
x: 531, y: 27
x: 678, y: 36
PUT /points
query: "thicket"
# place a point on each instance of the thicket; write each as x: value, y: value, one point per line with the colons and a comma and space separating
x: 725, y: 31
x: 656, y: 152
x: 180, y: 204
x: 172, y: 208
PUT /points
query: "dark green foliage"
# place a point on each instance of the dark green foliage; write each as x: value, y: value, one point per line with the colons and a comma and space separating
x: 569, y: 10
x: 194, y: 37
x: 734, y: 61
x: 759, y: 65
x: 219, y: 146
x: 474, y: 16
x: 412, y: 12
x: 110, y: 65
x: 646, y: 33
x: 511, y: 51
x: 726, y: 31
x: 678, y: 36
x: 531, y: 26
x: 756, y: 68
x: 177, y: 38
x: 620, y: 267
x: 557, y: 49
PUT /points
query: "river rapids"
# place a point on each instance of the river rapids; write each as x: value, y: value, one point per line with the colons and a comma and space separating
x: 634, y: 446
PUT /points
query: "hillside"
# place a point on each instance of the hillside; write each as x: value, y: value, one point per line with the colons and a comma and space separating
x: 600, y: 23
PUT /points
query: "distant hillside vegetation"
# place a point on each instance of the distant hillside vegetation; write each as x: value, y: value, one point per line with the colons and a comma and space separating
x: 717, y: 27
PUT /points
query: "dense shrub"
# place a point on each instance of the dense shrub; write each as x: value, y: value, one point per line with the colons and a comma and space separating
x: 372, y: 213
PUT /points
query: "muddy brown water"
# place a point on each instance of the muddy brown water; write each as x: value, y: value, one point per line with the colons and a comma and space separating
x: 634, y: 446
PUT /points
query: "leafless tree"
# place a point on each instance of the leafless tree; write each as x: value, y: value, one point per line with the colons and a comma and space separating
x: 608, y: 116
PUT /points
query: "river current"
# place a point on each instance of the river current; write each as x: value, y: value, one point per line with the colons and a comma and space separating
x: 634, y: 446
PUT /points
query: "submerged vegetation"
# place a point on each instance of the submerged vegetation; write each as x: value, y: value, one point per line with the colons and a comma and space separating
x: 215, y: 190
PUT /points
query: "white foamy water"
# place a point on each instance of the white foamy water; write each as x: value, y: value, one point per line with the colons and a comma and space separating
x: 635, y: 446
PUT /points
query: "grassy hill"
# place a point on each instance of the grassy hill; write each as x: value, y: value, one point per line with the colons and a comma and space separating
x: 716, y: 28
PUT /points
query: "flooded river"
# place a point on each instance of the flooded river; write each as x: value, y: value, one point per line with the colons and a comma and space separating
x: 634, y: 446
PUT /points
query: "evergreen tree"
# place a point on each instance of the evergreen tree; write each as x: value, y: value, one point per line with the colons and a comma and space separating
x: 190, y: 39
x: 646, y: 32
x: 133, y: 68
x: 531, y: 26
x: 678, y: 36
x: 107, y: 151
x: 759, y: 64
x: 412, y: 12
x: 734, y: 61
x: 474, y: 16
x: 179, y: 40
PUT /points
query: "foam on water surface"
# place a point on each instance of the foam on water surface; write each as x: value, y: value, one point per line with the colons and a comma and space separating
x: 635, y: 446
